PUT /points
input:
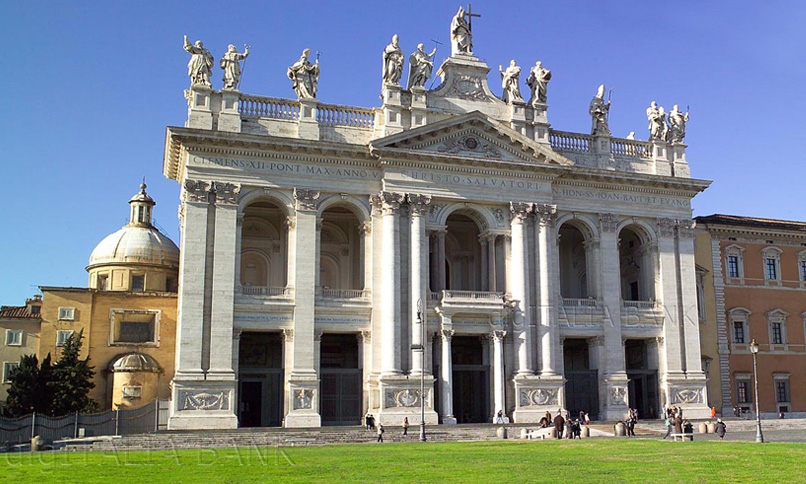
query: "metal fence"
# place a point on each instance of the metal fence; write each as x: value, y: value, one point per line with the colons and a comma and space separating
x: 151, y: 417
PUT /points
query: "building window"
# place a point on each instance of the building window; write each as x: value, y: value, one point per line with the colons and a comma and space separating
x: 103, y: 282
x: 772, y: 263
x: 134, y: 327
x: 733, y: 266
x: 35, y: 310
x: 777, y: 337
x: 782, y: 391
x: 62, y: 336
x: 777, y: 322
x: 8, y: 367
x: 803, y: 270
x: 132, y: 392
x: 701, y: 294
x: 13, y: 337
x: 138, y: 283
x: 67, y: 314
x: 771, y: 271
x: 743, y: 392
x: 738, y: 332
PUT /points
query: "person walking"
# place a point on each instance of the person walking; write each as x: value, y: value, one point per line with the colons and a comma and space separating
x: 559, y: 422
x: 499, y: 417
x: 721, y: 429
x: 381, y: 430
x: 587, y: 419
x: 405, y: 426
x: 713, y: 412
x: 668, y: 423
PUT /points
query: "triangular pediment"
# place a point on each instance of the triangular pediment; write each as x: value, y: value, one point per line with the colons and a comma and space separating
x: 472, y: 136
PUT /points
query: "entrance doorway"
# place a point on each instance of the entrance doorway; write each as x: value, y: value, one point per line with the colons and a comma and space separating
x: 471, y: 380
x: 582, y: 383
x: 643, y: 386
x: 340, y: 402
x: 260, y: 380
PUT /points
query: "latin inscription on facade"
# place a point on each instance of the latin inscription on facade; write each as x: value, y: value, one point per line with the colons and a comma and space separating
x: 633, y: 198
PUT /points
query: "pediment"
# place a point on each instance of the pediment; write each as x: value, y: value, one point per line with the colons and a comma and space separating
x: 473, y: 136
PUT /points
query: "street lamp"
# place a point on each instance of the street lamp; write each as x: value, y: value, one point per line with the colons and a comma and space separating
x: 754, y: 350
x: 421, y: 348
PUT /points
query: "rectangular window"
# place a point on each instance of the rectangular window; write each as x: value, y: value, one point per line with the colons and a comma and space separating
x: 62, y: 336
x: 733, y: 266
x: 134, y: 326
x: 782, y: 391
x: 772, y: 269
x: 138, y: 283
x: 743, y: 391
x: 132, y: 392
x: 67, y: 314
x: 738, y: 332
x: 35, y: 310
x: 136, y: 332
x: 13, y: 337
x: 777, y: 335
x: 8, y: 367
x: 803, y: 270
x: 103, y: 282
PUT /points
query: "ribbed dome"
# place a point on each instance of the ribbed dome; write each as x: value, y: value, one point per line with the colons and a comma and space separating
x: 135, y: 362
x: 134, y: 245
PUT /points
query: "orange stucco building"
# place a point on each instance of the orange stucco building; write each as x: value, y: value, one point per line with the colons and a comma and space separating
x: 759, y: 279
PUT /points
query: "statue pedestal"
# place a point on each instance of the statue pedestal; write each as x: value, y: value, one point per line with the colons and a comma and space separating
x: 229, y: 118
x: 202, y: 404
x: 517, y: 116
x: 200, y: 113
x: 400, y: 398
x: 534, y: 396
x: 679, y: 163
x: 540, y: 123
x: 689, y: 392
x: 308, y: 124
x: 604, y: 155
x: 616, y: 404
x: 419, y: 107
x: 392, y: 109
x: 660, y: 155
x: 303, y: 396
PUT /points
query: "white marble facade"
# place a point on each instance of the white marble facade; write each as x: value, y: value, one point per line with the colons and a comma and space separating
x: 303, y: 220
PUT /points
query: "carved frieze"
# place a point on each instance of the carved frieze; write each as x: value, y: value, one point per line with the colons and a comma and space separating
x: 687, y: 395
x: 197, y: 191
x: 306, y: 199
x: 303, y: 398
x: 469, y: 88
x: 406, y: 398
x: 538, y: 396
x: 418, y: 204
x: 203, y: 400
x: 618, y: 396
x: 608, y: 222
x: 470, y: 144
x: 519, y: 211
x: 665, y: 227
x: 499, y: 216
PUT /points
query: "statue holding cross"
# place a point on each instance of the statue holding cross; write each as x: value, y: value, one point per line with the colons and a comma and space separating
x: 461, y: 34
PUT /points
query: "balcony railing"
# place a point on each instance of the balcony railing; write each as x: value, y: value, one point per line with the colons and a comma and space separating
x: 360, y: 294
x: 267, y: 291
x: 268, y: 107
x: 472, y: 295
x: 632, y: 148
x: 335, y: 115
x: 639, y: 304
x: 574, y: 142
x: 570, y: 302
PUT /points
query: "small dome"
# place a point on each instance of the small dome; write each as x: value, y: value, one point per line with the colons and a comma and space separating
x: 135, y: 362
x: 142, y: 196
x: 136, y: 245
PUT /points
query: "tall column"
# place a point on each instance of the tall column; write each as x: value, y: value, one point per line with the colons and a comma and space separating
x: 366, y: 253
x: 238, y: 250
x: 442, y: 278
x: 390, y: 285
x: 615, y: 378
x: 318, y: 253
x: 303, y: 382
x: 520, y: 287
x: 547, y: 328
x: 491, y: 262
x: 688, y: 296
x: 485, y: 278
x: 418, y: 205
x: 446, y: 378
x: 672, y: 327
x: 498, y: 370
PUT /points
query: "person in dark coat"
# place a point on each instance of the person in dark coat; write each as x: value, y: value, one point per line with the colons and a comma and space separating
x: 559, y: 422
x: 678, y: 425
x: 721, y: 429
x: 569, y: 429
x: 370, y: 422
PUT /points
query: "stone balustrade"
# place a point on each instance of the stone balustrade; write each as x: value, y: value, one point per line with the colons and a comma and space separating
x: 268, y: 107
x: 345, y: 294
x: 571, y: 142
x: 335, y: 115
x: 569, y: 302
x: 631, y: 148
x: 267, y: 291
x: 639, y: 304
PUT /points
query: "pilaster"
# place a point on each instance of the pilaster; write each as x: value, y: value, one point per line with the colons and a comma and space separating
x: 661, y: 157
x: 418, y: 205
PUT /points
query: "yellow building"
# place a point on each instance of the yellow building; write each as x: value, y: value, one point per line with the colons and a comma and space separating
x: 127, y: 314
x: 19, y: 328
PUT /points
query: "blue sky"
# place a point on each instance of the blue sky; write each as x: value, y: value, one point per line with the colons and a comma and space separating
x: 89, y: 88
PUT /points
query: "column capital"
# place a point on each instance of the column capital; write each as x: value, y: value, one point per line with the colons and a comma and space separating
x: 288, y: 334
x: 225, y: 193
x: 418, y: 204
x: 591, y: 243
x: 306, y: 199
x: 608, y: 222
x: 597, y: 341
x: 317, y: 335
x: 236, y: 333
x: 196, y: 191
x: 685, y: 228
x: 241, y: 216
x: 519, y: 211
x: 390, y: 202
x: 364, y: 336
x: 665, y: 227
x: 498, y: 335
x: 546, y: 213
x: 447, y: 334
x: 488, y: 236
x: 290, y: 223
x: 365, y: 228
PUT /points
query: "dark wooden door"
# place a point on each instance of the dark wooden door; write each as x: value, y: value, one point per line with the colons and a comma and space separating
x: 340, y: 403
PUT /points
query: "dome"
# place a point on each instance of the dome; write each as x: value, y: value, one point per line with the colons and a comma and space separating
x: 135, y: 362
x: 136, y: 245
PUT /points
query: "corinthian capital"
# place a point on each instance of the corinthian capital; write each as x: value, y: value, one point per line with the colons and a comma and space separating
x: 665, y: 227
x: 519, y: 210
x: 390, y: 202
x: 685, y: 228
x: 197, y: 191
x: 418, y: 204
x: 226, y: 193
x: 306, y: 199
x: 608, y: 222
x: 546, y: 213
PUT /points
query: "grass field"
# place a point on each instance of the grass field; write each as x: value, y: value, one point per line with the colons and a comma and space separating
x: 590, y: 461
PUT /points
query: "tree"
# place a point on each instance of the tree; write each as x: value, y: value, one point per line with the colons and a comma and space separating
x: 30, y: 389
x: 72, y: 380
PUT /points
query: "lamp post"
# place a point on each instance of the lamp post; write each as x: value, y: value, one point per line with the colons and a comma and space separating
x: 754, y: 351
x: 421, y: 348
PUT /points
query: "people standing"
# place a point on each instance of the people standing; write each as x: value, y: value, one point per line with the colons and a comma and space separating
x: 569, y: 429
x: 713, y: 412
x: 499, y: 417
x: 370, y: 422
x: 405, y: 426
x: 721, y: 429
x: 559, y: 422
x: 668, y: 422
x: 381, y: 430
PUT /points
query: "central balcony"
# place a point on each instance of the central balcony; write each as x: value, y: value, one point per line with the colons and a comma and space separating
x: 338, y: 297
x: 467, y: 300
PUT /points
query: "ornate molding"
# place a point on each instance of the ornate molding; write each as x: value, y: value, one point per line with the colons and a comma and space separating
x: 469, y: 143
x: 665, y: 227
x: 365, y: 336
x: 365, y: 228
x: 498, y: 335
x: 390, y: 202
x: 538, y: 396
x: 519, y: 211
x: 197, y: 191
x: 225, y: 193
x: 203, y: 400
x: 418, y: 204
x: 546, y: 214
x: 618, y: 396
x: 317, y: 335
x: 306, y: 199
x: 405, y: 398
x: 608, y: 222
x: 687, y: 395
x: 303, y: 398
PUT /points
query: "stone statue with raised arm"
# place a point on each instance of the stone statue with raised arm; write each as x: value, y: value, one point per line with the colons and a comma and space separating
x: 420, y: 67
x: 599, y: 109
x: 509, y: 81
x: 231, y: 63
x: 677, y: 124
x: 657, y: 122
x: 538, y: 81
x: 304, y: 76
x: 200, y: 64
x: 461, y: 37
x: 393, y: 62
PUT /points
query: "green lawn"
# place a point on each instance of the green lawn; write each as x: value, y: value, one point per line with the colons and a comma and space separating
x: 613, y: 461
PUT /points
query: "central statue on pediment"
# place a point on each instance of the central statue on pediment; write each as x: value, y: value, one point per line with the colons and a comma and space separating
x: 461, y: 37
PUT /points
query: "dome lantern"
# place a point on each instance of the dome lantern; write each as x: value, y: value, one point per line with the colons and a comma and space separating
x: 141, y: 205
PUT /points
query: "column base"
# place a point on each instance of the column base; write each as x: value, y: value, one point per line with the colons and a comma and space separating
x: 615, y: 404
x: 303, y: 395
x: 202, y: 405
x: 400, y: 398
x: 689, y: 393
x: 537, y: 395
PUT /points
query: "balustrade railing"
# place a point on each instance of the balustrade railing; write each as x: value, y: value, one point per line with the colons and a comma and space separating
x: 570, y: 302
x: 575, y: 142
x: 625, y: 147
x: 268, y: 107
x: 267, y: 291
x: 335, y: 115
x: 473, y: 295
x: 639, y: 304
x: 345, y: 293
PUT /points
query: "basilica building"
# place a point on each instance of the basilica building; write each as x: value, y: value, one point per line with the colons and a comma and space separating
x: 447, y: 249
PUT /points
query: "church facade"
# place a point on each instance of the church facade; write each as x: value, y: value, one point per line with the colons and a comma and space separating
x: 447, y: 248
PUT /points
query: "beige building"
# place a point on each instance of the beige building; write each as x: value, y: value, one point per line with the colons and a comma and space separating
x: 128, y: 313
x: 19, y: 328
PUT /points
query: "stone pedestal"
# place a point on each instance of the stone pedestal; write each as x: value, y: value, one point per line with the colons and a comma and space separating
x: 517, y: 117
x: 616, y: 396
x: 689, y: 393
x: 540, y: 123
x: 661, y: 157
x: 308, y: 125
x: 679, y: 163
x: 535, y: 396
x: 229, y: 119
x: 600, y: 144
x: 419, y: 110
x: 303, y: 401
x: 400, y: 398
x: 200, y: 113
x: 392, y: 109
x: 200, y: 405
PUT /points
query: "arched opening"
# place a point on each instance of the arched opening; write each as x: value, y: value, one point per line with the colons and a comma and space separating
x: 264, y: 246
x: 637, y: 278
x: 573, y: 264
x: 340, y: 250
x: 462, y: 254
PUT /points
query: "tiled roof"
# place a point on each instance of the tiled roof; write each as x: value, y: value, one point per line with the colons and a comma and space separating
x: 16, y: 312
x: 766, y: 223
